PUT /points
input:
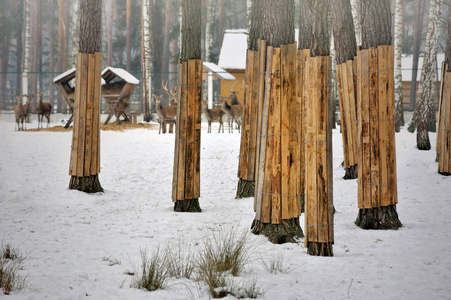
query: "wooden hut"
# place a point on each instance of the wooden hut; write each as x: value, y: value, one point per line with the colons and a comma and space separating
x: 117, y: 90
x: 66, y: 84
x: 211, y: 73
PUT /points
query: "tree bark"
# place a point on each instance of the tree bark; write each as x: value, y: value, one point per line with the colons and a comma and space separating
x: 19, y: 7
x: 146, y: 59
x: 62, y: 55
x: 305, y: 36
x: 52, y: 50
x: 416, y: 51
x: 128, y: 49
x: 399, y: 113
x: 109, y: 60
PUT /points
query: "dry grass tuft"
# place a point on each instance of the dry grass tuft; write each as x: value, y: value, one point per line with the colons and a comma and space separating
x: 11, y: 261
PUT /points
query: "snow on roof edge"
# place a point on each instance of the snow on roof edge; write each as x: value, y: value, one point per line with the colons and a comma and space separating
x: 62, y: 75
x: 123, y: 74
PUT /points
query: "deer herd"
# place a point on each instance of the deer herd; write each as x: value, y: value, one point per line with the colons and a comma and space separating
x: 229, y: 106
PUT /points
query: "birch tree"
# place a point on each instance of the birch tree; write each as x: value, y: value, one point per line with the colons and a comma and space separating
x: 75, y: 32
x: 27, y: 47
x: 146, y: 59
x: 425, y: 105
x: 355, y: 4
x: 62, y: 46
x: 208, y: 29
x: 399, y: 114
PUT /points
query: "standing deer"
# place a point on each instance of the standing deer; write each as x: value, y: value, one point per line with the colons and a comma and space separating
x: 164, y: 113
x: 43, y: 109
x: 233, y: 112
x: 214, y: 114
x: 26, y: 108
x: 18, y: 111
x: 172, y: 93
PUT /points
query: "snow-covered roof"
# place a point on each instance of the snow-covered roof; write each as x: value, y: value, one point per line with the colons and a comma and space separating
x: 63, y: 75
x: 407, y: 62
x: 234, y: 48
x: 218, y: 71
x: 124, y: 75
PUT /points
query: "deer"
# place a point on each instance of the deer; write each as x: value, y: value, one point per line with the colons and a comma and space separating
x: 233, y: 112
x: 26, y: 108
x: 18, y: 111
x: 214, y: 114
x: 43, y: 109
x: 164, y: 113
x: 233, y: 94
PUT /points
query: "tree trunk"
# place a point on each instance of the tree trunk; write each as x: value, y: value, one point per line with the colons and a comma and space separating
x: 377, y: 186
x: 186, y: 179
x: 51, y: 51
x: 346, y: 50
x: 33, y: 77
x: 399, y: 113
x: 355, y: 4
x: 62, y: 55
x: 6, y: 27
x: 158, y: 35
x: 85, y: 165
x: 109, y: 60
x: 277, y: 206
x: 424, y: 109
x: 18, y: 9
x: 305, y: 26
x: 75, y: 32
x: 209, y: 29
x: 147, y: 59
x: 128, y: 36
x: 166, y: 40
x: 416, y: 53
x: 27, y: 48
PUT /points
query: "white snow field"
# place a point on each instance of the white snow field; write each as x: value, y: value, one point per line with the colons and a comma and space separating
x: 69, y: 238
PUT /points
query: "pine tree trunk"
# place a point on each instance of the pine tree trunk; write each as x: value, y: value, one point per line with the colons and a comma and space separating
x: 305, y: 26
x: 27, y: 48
x: 18, y: 9
x: 355, y: 4
x: 166, y: 40
x: 62, y: 55
x: 109, y: 59
x: 52, y: 51
x: 128, y: 49
x: 84, y: 178
x: 416, y: 54
x: 399, y: 113
x: 147, y: 59
x: 34, y: 50
x: 75, y: 32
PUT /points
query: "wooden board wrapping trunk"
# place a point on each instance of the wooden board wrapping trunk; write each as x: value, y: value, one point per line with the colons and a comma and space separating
x: 277, y: 194
x: 85, y: 151
x: 444, y: 129
x: 186, y: 175
x: 376, y: 128
x: 347, y: 105
x: 319, y: 192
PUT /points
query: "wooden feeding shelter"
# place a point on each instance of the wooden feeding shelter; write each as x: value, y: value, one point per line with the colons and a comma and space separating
x: 66, y: 85
x: 214, y: 72
x: 117, y: 90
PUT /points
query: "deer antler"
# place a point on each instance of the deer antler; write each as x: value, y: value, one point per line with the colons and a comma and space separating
x: 172, y: 92
x: 236, y: 92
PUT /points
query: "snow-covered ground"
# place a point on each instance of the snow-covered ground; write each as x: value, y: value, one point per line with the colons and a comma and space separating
x: 69, y: 237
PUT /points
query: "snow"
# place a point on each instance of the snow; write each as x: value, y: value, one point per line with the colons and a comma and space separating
x: 62, y: 75
x: 218, y: 71
x: 123, y: 74
x: 233, y: 49
x: 68, y: 236
x: 407, y: 64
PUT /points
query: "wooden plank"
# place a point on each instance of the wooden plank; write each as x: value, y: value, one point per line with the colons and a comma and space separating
x: 444, y: 160
x: 374, y: 126
x: 190, y: 128
x: 197, y: 128
x: 383, y: 124
x: 95, y: 166
x: 74, y: 149
x: 261, y: 134
x: 177, y: 135
x: 391, y: 157
x: 366, y: 178
x: 440, y: 97
x: 254, y: 118
x: 182, y: 138
x: 301, y: 127
x: 275, y: 166
x: 351, y: 92
x: 343, y: 101
x: 359, y: 74
x: 244, y: 142
x: 311, y: 216
x: 303, y: 113
x: 285, y: 133
x: 329, y: 152
x: 89, y: 112
x: 82, y: 114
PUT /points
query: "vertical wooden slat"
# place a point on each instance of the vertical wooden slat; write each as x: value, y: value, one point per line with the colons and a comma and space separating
x: 285, y: 132
x: 329, y: 152
x: 266, y: 141
x: 89, y: 111
x: 440, y: 97
x: 175, y: 184
x: 374, y: 127
x: 274, y: 169
x: 244, y: 142
x: 182, y: 139
x: 344, y: 110
x: 445, y: 140
x: 95, y: 166
x: 311, y: 215
x: 392, y: 180
x: 254, y: 117
x: 359, y: 75
x: 83, y: 72
x: 351, y: 103
x: 366, y: 176
x: 197, y: 134
x: 383, y: 124
x: 74, y: 149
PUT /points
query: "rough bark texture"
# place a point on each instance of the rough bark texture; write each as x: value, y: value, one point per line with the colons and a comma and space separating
x: 376, y: 23
x: 246, y: 188
x: 399, y: 114
x: 320, y: 249
x: 343, y: 29
x: 351, y: 173
x: 61, y: 48
x: 321, y: 37
x: 90, y: 42
x: 187, y: 205
x: 278, y: 26
x: 256, y: 21
x: 305, y: 26
x: 416, y: 50
x: 191, y: 33
x: 384, y: 217
x: 128, y: 65
x: 288, y: 231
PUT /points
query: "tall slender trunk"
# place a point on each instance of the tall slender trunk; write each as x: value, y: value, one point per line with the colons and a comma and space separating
x: 75, y: 31
x: 128, y: 66
x: 355, y: 4
x: 109, y: 60
x: 18, y: 14
x: 27, y: 48
x: 147, y: 59
x: 51, y: 50
x: 416, y: 51
x: 166, y: 40
x: 33, y: 77
x: 62, y: 55
x: 399, y: 113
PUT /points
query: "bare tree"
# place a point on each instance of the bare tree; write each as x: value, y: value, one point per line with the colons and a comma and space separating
x: 146, y: 59
x: 399, y: 114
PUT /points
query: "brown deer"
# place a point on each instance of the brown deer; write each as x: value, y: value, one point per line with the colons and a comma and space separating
x: 164, y: 113
x: 233, y: 112
x: 43, y: 109
x: 172, y: 93
x: 26, y: 108
x: 214, y: 114
x: 18, y: 112
x: 233, y: 94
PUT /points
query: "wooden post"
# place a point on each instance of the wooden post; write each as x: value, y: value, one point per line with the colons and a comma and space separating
x: 319, y: 194
x: 444, y: 166
x: 377, y: 188
x: 186, y: 176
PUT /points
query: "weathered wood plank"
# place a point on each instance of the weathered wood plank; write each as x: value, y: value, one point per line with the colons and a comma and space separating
x: 197, y: 126
x: 95, y: 165
x: 182, y: 138
x: 351, y: 102
x: 359, y: 74
x: 374, y: 126
x: 254, y: 117
x: 75, y: 132
x: 83, y: 72
x: 285, y: 133
x: 175, y: 173
x: 89, y: 112
x: 244, y: 142
x: 366, y: 150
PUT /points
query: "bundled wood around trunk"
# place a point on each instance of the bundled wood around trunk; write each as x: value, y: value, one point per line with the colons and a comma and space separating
x: 277, y: 199
x: 249, y: 125
x: 85, y: 153
x: 377, y: 185
x: 444, y: 128
x: 319, y: 209
x: 302, y: 56
x: 346, y: 78
x: 186, y: 177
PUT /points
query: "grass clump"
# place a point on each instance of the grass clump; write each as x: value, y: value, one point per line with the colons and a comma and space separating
x: 179, y: 261
x: 276, y: 264
x: 11, y: 262
x: 153, y: 273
